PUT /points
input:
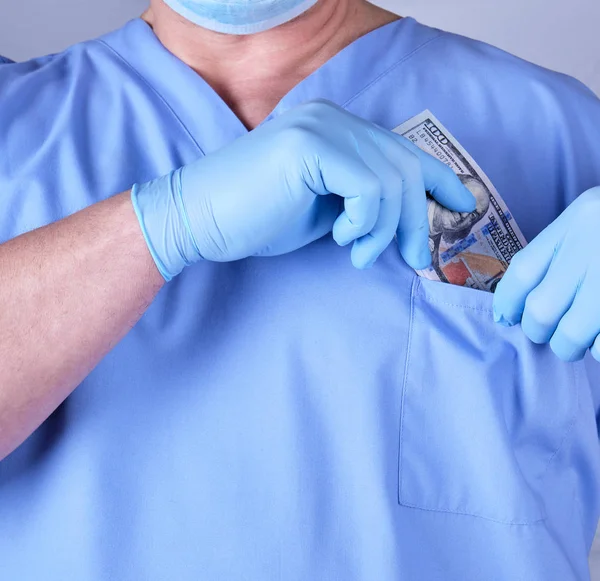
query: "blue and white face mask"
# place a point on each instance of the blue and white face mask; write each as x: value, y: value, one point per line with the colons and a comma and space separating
x: 240, y: 16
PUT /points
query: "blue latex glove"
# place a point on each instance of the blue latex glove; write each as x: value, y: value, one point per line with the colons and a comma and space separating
x: 552, y: 285
x: 283, y: 186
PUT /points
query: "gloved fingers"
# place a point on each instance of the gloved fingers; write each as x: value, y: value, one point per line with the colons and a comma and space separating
x: 367, y: 249
x: 595, y: 350
x: 361, y: 206
x: 413, y: 226
x: 440, y: 181
x: 314, y: 223
x: 377, y: 179
x: 580, y: 326
x: 548, y: 302
x: 348, y: 176
x: 526, y: 271
x: 392, y: 178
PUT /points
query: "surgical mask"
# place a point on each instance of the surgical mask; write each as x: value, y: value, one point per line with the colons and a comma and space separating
x: 241, y: 16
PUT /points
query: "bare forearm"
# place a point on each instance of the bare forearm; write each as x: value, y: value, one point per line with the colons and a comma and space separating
x: 68, y: 293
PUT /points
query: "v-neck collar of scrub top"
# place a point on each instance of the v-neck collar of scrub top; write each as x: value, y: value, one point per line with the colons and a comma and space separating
x: 209, y: 120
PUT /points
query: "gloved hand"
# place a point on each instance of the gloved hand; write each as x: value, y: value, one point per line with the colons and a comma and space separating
x: 552, y: 286
x: 282, y: 185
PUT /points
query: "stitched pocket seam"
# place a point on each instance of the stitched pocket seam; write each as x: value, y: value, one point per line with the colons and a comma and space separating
x: 415, y: 295
x: 404, y: 384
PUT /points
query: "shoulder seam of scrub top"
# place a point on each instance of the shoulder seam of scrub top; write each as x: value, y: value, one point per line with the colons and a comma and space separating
x: 153, y: 89
x: 393, y: 67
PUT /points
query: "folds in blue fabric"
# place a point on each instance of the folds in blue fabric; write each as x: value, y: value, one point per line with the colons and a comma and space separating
x: 484, y: 410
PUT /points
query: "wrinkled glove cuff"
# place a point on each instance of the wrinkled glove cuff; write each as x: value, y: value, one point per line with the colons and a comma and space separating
x: 163, y: 219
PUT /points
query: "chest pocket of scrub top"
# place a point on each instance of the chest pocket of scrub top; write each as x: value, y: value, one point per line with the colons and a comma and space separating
x: 484, y: 410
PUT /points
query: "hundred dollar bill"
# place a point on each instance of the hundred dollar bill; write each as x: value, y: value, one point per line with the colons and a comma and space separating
x: 468, y: 249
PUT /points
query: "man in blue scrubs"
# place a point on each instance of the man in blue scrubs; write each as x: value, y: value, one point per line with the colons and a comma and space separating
x: 201, y: 378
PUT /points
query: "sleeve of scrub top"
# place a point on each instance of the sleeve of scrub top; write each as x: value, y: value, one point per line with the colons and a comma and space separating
x: 4, y: 60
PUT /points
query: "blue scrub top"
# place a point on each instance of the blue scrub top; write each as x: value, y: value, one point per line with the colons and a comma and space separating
x: 293, y: 418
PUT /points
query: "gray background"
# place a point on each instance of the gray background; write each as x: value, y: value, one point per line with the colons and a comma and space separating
x: 560, y: 34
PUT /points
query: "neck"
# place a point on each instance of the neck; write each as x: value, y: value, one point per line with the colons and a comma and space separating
x: 252, y: 73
